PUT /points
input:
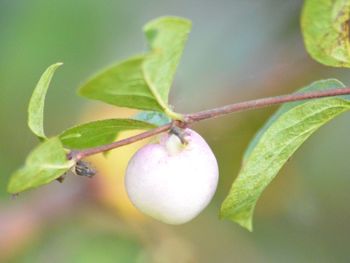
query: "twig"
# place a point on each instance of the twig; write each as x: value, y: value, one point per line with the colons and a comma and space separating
x: 209, y: 114
x: 78, y: 155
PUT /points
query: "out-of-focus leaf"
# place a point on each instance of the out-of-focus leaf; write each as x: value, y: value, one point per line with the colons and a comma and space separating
x: 153, y: 117
x: 73, y: 241
x: 101, y: 132
x: 282, y: 135
x: 167, y: 37
x: 122, y: 85
x: 326, y: 30
x: 37, y: 102
x: 44, y: 164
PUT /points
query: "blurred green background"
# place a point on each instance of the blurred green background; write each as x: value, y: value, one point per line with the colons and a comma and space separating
x: 237, y: 50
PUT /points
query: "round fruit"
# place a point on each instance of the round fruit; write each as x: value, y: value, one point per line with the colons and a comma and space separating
x: 171, y: 181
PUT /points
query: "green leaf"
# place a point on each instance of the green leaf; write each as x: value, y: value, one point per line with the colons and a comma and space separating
x: 167, y: 37
x: 144, y: 82
x: 315, y: 86
x: 37, y: 102
x: 282, y: 135
x: 122, y: 85
x: 98, y: 133
x: 325, y: 26
x: 44, y: 164
x: 153, y: 117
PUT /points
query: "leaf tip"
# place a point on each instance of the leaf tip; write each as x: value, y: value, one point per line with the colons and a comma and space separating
x: 244, y: 217
x: 166, y: 19
x: 55, y: 66
x: 12, y: 186
x: 9, y: 188
x: 245, y: 222
x: 37, y: 101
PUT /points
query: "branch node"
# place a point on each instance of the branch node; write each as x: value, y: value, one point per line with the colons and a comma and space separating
x: 180, y: 133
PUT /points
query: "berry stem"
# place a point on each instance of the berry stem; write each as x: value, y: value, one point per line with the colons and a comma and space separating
x: 209, y: 114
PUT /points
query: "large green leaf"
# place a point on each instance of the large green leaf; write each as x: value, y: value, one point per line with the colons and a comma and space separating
x: 122, y: 85
x: 44, y: 164
x: 144, y: 82
x: 167, y: 37
x: 282, y: 135
x: 101, y: 132
x: 37, y: 102
x: 325, y: 26
x: 316, y: 86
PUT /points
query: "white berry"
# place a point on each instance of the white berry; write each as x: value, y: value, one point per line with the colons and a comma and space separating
x: 171, y: 181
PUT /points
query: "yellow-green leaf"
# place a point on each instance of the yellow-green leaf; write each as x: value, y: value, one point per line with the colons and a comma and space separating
x: 44, y: 164
x: 100, y: 132
x: 282, y: 135
x: 122, y: 85
x: 167, y: 37
x: 326, y: 31
x: 37, y: 102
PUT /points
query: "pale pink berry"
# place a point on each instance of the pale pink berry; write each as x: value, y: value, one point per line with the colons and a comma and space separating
x: 171, y: 181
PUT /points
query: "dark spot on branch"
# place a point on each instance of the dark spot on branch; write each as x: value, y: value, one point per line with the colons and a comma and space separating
x: 83, y: 168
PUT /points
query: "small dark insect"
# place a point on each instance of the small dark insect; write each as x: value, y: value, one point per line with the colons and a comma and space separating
x: 83, y: 169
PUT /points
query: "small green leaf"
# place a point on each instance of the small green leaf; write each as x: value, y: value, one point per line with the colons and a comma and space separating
x: 122, y: 85
x: 98, y: 133
x: 167, y: 37
x: 37, y: 102
x: 44, y: 164
x: 153, y: 117
x: 282, y: 135
x: 325, y: 26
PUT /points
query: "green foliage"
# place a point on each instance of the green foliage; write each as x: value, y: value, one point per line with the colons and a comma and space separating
x: 44, y: 164
x: 122, y: 85
x: 37, y: 102
x: 167, y: 37
x: 282, y: 135
x: 87, y: 242
x: 153, y: 117
x: 101, y: 132
x: 325, y: 26
x: 316, y: 86
x: 144, y: 82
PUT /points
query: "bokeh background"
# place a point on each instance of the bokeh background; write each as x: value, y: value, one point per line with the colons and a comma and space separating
x: 237, y: 50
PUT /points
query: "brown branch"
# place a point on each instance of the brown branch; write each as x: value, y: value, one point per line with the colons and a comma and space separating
x: 260, y: 103
x: 212, y: 113
x: 78, y: 155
